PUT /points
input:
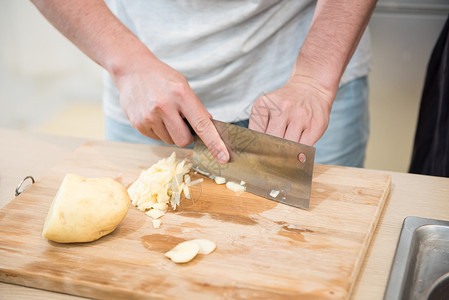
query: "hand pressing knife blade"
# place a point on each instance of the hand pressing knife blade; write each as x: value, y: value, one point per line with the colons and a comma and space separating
x: 271, y: 167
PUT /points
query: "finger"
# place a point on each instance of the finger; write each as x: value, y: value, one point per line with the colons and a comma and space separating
x: 178, y: 130
x: 157, y: 127
x: 259, y: 117
x: 314, y: 131
x: 276, y: 127
x: 294, y: 131
x: 146, y: 130
x: 175, y: 125
x: 162, y: 132
x: 200, y: 120
x: 310, y: 137
x: 150, y: 133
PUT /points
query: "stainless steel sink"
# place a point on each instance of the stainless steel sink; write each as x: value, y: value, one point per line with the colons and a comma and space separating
x: 420, y: 268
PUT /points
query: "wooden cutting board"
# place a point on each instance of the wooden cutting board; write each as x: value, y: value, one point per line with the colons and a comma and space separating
x: 265, y: 250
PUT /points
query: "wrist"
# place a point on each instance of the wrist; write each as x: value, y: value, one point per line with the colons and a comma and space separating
x: 321, y: 74
x: 314, y: 78
x: 126, y: 61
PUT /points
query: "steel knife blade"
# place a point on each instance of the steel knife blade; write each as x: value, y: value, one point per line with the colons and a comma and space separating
x: 270, y: 167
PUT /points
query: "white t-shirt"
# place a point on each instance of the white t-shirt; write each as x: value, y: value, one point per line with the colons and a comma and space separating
x: 230, y: 52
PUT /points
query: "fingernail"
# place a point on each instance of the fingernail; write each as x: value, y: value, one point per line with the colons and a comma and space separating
x: 223, y: 157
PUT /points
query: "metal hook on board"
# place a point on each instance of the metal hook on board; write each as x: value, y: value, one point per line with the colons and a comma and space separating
x: 19, y: 186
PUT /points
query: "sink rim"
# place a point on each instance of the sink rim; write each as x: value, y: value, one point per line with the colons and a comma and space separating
x: 402, y: 257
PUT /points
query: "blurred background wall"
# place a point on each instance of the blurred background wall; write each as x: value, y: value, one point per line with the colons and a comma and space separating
x: 49, y: 86
x: 44, y: 78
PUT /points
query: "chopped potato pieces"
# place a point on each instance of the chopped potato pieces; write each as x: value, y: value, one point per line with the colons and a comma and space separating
x: 186, y: 251
x: 183, y: 252
x: 157, y: 223
x: 235, y: 187
x: 161, y: 185
x: 220, y: 180
x: 206, y: 246
x: 155, y: 213
x: 196, y: 181
x: 274, y: 193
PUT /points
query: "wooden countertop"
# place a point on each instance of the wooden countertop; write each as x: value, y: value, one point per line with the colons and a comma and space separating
x: 26, y: 154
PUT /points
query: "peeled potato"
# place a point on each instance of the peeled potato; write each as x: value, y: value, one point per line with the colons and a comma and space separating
x: 85, y: 209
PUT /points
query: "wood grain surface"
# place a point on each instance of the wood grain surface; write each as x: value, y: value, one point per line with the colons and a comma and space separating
x: 264, y: 249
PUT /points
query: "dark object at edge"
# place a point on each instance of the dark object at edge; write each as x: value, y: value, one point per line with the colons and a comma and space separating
x: 431, y: 147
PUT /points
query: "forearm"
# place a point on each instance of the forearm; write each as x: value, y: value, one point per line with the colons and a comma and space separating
x: 336, y: 30
x: 92, y: 27
x: 155, y: 97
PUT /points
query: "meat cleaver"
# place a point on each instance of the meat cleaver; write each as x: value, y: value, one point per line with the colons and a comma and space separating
x: 270, y: 167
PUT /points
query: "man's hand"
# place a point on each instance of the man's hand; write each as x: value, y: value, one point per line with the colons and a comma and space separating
x: 298, y: 111
x: 156, y: 99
